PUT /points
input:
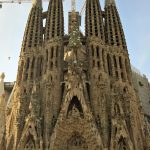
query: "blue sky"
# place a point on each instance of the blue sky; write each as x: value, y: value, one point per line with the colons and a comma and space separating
x: 135, y: 19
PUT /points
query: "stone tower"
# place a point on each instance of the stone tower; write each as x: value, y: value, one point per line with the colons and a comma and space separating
x: 74, y: 92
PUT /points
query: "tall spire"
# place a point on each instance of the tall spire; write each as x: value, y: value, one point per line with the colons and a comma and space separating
x: 33, y: 38
x: 55, y: 21
x: 94, y: 19
x: 28, y: 70
x: 33, y: 35
x: 114, y: 34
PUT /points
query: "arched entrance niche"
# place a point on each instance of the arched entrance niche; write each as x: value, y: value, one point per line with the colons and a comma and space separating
x: 76, y: 142
x: 75, y: 108
x: 122, y: 144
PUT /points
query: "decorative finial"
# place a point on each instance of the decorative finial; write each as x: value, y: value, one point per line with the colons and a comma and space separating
x: 110, y: 3
x: 37, y: 3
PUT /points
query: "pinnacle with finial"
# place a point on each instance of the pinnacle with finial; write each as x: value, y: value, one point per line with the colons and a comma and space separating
x: 110, y: 3
x: 37, y: 3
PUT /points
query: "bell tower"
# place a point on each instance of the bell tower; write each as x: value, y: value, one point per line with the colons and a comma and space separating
x: 29, y: 70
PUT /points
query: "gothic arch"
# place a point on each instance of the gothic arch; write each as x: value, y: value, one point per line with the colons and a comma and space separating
x: 75, y: 103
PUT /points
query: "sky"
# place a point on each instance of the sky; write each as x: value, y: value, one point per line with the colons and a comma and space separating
x: 134, y: 16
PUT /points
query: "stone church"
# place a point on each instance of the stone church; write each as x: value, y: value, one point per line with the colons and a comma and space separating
x: 75, y: 91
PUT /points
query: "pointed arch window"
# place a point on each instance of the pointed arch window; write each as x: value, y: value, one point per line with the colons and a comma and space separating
x: 75, y: 106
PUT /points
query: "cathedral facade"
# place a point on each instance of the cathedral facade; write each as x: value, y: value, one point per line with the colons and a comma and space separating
x: 75, y: 91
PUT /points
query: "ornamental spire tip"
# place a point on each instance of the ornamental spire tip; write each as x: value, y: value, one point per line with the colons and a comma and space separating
x: 110, y: 3
x: 37, y: 3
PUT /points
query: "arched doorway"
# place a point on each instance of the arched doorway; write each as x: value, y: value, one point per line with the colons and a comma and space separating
x: 75, y: 107
x: 76, y: 142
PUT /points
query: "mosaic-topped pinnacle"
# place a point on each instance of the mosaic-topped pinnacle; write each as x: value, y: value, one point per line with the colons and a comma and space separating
x: 110, y: 3
x: 37, y: 3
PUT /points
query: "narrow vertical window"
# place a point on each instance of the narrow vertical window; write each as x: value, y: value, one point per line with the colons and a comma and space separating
x: 97, y: 51
x: 28, y: 63
x: 93, y: 63
x: 33, y: 60
x: 115, y: 62
x: 52, y: 52
x: 92, y: 49
x: 109, y: 65
x: 51, y: 65
x: 46, y: 55
x: 57, y: 51
x: 120, y: 62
